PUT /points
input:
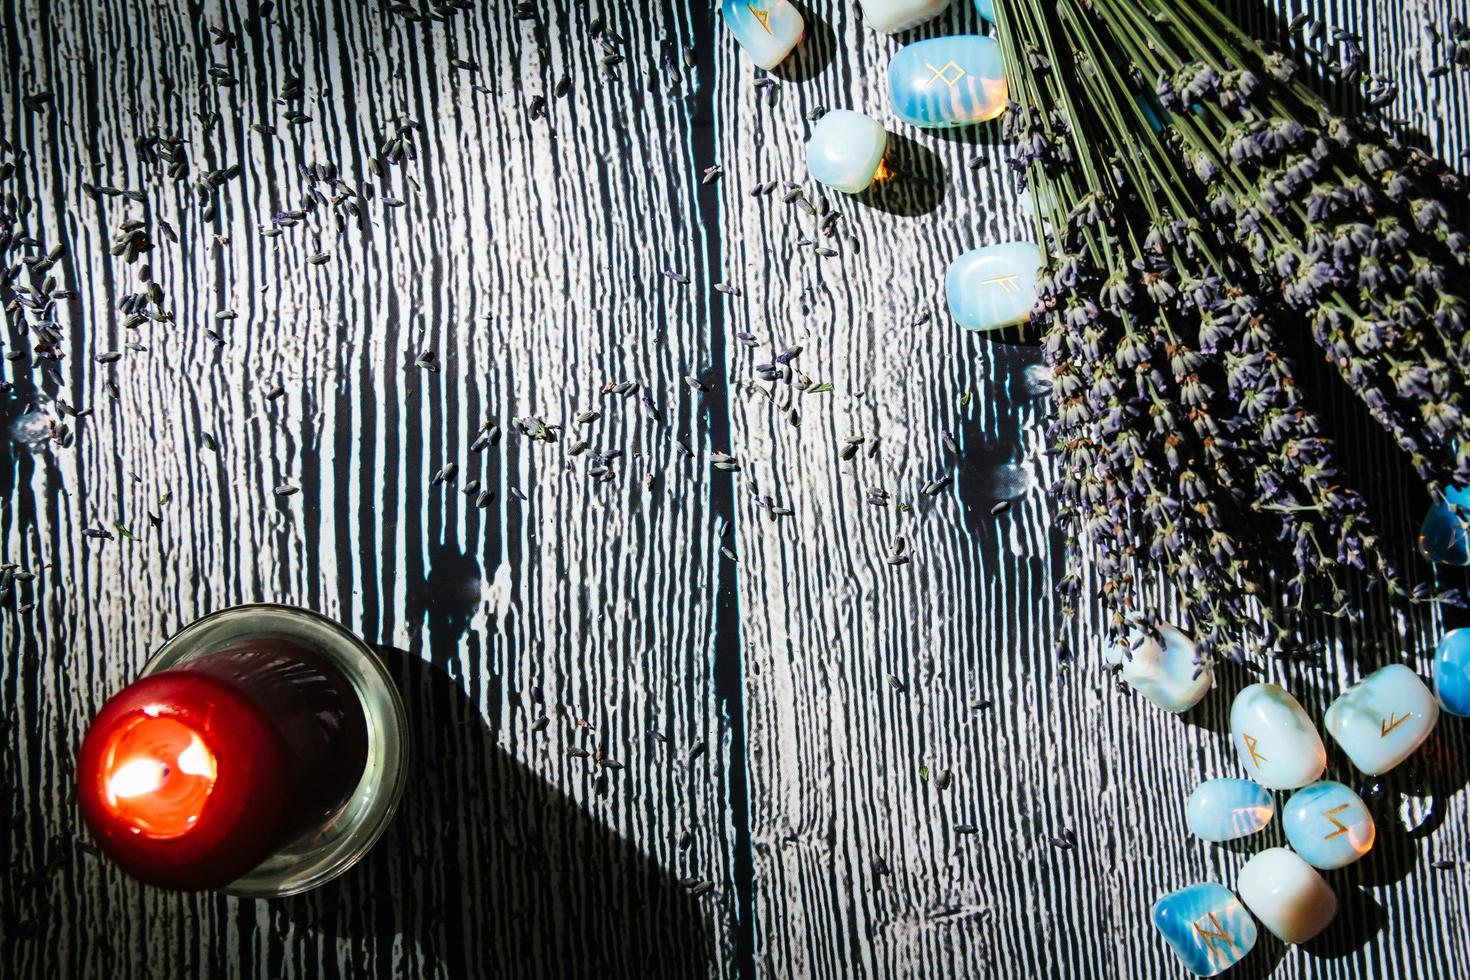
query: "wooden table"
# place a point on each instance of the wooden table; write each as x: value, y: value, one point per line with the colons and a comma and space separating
x: 684, y: 722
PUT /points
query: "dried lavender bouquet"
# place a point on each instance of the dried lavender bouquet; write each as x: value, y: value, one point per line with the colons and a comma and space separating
x: 1196, y: 203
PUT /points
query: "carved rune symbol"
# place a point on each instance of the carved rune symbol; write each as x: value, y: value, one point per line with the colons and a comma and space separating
x: 1393, y: 721
x: 943, y: 75
x: 764, y: 16
x: 1007, y: 284
x: 1341, y: 827
x: 1210, y: 937
x: 1250, y: 744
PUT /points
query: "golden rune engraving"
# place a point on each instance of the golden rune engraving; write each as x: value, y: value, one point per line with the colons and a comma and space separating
x: 1388, y: 724
x: 1341, y: 828
x: 942, y: 74
x: 1210, y: 937
x: 764, y: 16
x: 1250, y: 744
x: 1007, y: 284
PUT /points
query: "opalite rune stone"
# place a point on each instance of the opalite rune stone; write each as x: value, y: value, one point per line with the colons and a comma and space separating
x: 1275, y: 739
x: 1224, y: 809
x: 947, y: 81
x: 1452, y: 671
x: 846, y: 150
x: 1383, y: 718
x: 1206, y: 926
x: 1444, y: 537
x: 1328, y: 825
x: 766, y: 29
x: 1286, y: 894
x: 994, y: 286
x: 986, y: 9
x: 1163, y: 674
x: 892, y: 16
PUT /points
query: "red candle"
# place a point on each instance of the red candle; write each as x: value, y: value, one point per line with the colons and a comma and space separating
x: 191, y: 777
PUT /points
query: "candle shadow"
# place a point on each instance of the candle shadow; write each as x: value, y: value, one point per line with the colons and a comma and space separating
x: 488, y: 870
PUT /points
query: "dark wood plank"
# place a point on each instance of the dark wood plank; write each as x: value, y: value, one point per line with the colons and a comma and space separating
x: 861, y: 675
x: 526, y: 257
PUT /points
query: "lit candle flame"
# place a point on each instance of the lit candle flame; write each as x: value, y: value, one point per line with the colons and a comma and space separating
x: 196, y: 760
x: 146, y: 775
x: 137, y: 777
x: 159, y: 775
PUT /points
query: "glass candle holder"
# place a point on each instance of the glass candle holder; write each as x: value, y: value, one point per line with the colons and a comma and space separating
x: 262, y: 751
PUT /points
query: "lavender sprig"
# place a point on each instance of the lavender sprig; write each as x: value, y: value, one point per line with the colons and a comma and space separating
x: 1196, y: 203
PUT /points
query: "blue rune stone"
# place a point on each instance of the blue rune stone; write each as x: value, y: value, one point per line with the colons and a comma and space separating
x: 1381, y: 720
x: 846, y: 150
x: 947, y: 81
x: 1444, y: 537
x: 1452, y: 671
x: 1328, y: 825
x: 1224, y: 809
x: 1287, y: 894
x: 1276, y: 741
x: 892, y: 16
x: 1168, y: 674
x: 766, y: 29
x: 994, y: 286
x: 986, y: 9
x: 1206, y: 926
